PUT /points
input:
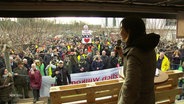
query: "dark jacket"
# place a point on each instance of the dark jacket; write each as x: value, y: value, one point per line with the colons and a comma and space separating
x: 74, y: 63
x: 105, y: 61
x: 113, y: 61
x: 21, y: 78
x: 96, y: 65
x: 13, y: 66
x: 47, y: 58
x: 2, y: 63
x: 35, y: 79
x: 5, y: 89
x: 89, y: 61
x: 61, y: 78
x: 176, y: 60
x: 82, y: 64
x: 139, y: 72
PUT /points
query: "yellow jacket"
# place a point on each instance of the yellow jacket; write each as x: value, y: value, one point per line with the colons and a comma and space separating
x: 165, y: 63
x: 49, y: 71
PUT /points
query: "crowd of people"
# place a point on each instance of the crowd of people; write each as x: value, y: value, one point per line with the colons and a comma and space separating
x: 170, y: 57
x: 60, y: 58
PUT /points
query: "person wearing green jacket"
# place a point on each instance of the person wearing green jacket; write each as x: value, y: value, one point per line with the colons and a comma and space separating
x: 40, y: 66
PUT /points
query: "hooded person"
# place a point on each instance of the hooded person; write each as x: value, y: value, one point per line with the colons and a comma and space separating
x: 139, y: 62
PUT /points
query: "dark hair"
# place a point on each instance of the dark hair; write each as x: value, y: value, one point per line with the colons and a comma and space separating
x: 134, y: 26
x: 20, y: 63
x: 119, y: 42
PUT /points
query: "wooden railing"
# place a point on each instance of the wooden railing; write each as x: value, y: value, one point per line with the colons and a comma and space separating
x: 88, y: 93
x: 165, y: 93
x: 106, y: 92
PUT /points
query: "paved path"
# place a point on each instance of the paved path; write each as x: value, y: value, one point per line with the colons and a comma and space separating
x: 179, y: 102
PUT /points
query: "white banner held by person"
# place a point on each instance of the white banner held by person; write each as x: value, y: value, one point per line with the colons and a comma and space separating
x: 86, y: 35
x: 93, y: 76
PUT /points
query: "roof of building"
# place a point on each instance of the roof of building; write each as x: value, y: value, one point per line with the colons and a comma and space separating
x: 99, y: 8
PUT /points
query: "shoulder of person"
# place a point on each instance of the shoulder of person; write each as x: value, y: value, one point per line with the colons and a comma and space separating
x: 135, y: 52
x: 24, y: 68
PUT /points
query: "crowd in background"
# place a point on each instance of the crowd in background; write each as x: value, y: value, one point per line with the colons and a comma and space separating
x: 59, y: 59
x: 77, y: 57
x: 72, y: 56
x: 172, y: 56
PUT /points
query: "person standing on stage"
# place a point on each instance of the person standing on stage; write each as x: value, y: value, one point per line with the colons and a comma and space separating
x: 139, y: 62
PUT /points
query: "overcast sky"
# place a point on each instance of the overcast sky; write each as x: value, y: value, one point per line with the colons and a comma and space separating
x: 88, y: 20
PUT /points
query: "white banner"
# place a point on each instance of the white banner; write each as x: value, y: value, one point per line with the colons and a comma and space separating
x: 93, y: 76
x: 47, y: 82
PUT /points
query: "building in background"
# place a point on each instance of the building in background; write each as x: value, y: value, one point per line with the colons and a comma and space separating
x: 165, y: 27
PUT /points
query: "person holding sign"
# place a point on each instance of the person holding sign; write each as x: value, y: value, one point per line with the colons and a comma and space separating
x: 86, y: 35
x: 139, y: 62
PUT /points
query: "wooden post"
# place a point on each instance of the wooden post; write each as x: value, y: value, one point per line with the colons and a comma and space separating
x: 180, y: 24
x: 6, y: 51
x: 7, y: 58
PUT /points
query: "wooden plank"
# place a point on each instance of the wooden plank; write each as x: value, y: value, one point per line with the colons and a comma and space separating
x: 55, y: 88
x: 108, y: 87
x: 107, y: 93
x: 168, y: 94
x: 67, y: 87
x: 71, y: 92
x: 175, y: 74
x: 88, y: 89
x: 55, y: 98
x: 180, y: 24
x: 164, y: 86
x: 70, y: 98
x: 106, y: 101
x: 93, y: 91
x: 164, y: 102
x: 107, y: 82
x: 83, y: 96
x: 91, y: 97
x: 76, y: 86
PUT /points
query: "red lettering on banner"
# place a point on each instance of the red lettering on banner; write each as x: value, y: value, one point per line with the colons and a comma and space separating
x: 76, y: 82
x: 96, y: 79
x: 83, y: 81
x: 86, y: 80
x: 73, y: 82
x: 113, y: 76
x: 90, y: 80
